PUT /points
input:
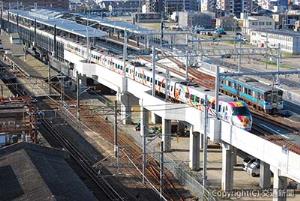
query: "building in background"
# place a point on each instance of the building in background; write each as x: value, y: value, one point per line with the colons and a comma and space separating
x: 234, y: 7
x: 287, y: 19
x: 289, y: 41
x: 256, y: 22
x: 192, y: 19
x: 169, y: 6
x: 274, y: 5
x: 28, y: 4
x: 228, y: 23
x: 120, y: 6
x: 208, y: 5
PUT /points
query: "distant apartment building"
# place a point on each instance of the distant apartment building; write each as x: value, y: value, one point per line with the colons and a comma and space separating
x: 172, y: 5
x: 208, y: 5
x: 120, y: 5
x: 289, y: 40
x: 256, y: 22
x: 274, y: 5
x: 286, y: 20
x: 192, y: 18
x: 228, y: 23
x: 234, y: 7
x: 28, y: 4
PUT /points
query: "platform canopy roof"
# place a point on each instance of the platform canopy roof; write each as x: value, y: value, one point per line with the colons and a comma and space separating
x: 120, y: 25
x: 51, y: 18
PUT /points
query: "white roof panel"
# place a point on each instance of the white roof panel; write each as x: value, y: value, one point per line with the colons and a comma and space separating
x: 62, y: 24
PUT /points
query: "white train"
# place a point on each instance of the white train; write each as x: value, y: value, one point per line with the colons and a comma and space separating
x: 230, y: 110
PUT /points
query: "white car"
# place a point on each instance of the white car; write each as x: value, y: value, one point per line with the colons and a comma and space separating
x: 252, y: 167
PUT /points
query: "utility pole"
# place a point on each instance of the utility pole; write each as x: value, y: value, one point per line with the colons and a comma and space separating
x: 49, y: 78
x: 217, y: 87
x: 77, y: 96
x: 205, y: 142
x: 124, y: 52
x: 167, y: 84
x: 153, y: 71
x: 143, y: 130
x: 187, y: 66
x: 161, y: 30
x: 277, y: 62
x: 116, y: 129
x: 161, y: 175
x: 240, y: 56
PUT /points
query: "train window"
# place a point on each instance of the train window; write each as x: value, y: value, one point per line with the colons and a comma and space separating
x: 144, y: 77
x: 126, y: 70
x: 222, y: 81
x: 249, y: 92
x: 193, y: 98
x: 171, y: 88
x: 197, y: 99
x: 219, y: 109
x: 148, y: 78
x: 168, y: 87
x: 159, y: 83
x: 229, y: 83
x: 202, y: 101
x: 155, y: 81
x: 151, y: 80
x: 163, y: 85
x: 187, y: 95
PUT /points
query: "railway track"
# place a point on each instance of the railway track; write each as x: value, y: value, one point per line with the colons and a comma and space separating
x: 58, y: 138
x: 208, y: 81
x: 104, y: 128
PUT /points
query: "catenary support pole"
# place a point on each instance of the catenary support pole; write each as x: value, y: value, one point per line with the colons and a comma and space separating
x: 205, y: 143
x: 161, y: 175
x: 187, y: 66
x: 77, y: 96
x: 153, y: 71
x: 217, y: 87
x: 116, y: 129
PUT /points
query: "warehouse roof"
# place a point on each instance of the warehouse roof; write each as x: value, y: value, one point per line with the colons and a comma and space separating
x: 32, y: 172
x: 51, y: 18
x: 279, y: 32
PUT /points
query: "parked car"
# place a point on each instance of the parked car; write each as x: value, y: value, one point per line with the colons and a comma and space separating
x: 227, y: 56
x: 252, y: 166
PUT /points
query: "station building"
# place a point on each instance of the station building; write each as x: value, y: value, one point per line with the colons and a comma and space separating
x: 289, y: 41
x: 256, y: 22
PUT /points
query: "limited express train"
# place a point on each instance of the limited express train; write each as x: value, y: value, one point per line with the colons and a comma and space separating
x: 230, y: 110
x: 260, y: 96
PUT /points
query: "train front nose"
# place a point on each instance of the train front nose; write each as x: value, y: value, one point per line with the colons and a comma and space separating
x: 243, y: 122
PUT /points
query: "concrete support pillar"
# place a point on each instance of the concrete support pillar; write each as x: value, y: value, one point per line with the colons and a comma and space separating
x: 227, y: 167
x: 265, y: 175
x: 155, y: 119
x: 144, y: 123
x: 166, y: 134
x: 279, y: 187
x: 201, y: 136
x: 194, y: 150
x: 124, y: 99
x: 234, y: 152
x: 180, y: 128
